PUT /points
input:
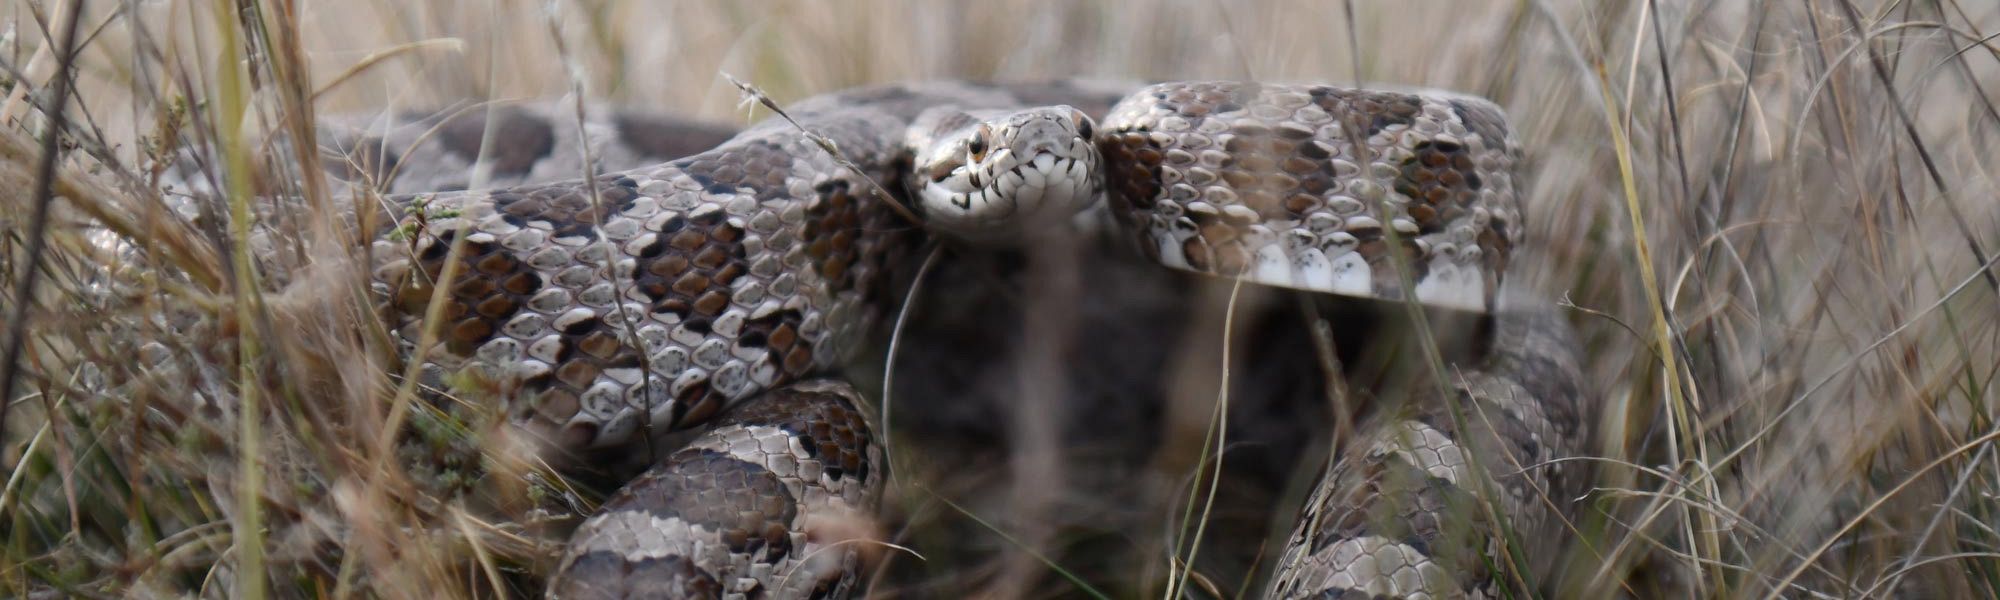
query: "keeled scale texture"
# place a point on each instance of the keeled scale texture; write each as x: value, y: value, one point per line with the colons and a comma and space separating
x: 658, y: 295
x: 1301, y: 186
x: 748, y: 509
x: 1401, y: 513
x: 1294, y: 185
x: 662, y: 295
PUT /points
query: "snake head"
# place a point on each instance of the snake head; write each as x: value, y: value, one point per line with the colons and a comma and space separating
x: 984, y: 175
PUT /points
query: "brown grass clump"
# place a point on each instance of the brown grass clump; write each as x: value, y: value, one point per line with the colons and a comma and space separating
x: 1776, y: 223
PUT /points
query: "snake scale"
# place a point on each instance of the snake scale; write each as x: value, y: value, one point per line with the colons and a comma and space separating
x: 709, y: 292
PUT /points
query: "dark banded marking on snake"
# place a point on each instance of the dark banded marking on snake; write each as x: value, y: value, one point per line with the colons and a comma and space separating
x: 732, y: 274
x: 752, y: 504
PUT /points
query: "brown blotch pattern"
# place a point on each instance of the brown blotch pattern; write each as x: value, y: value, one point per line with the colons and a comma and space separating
x: 667, y: 138
x: 1440, y: 180
x: 1280, y: 172
x: 568, y: 206
x: 688, y: 269
x: 742, y: 492
x: 605, y: 575
x: 833, y: 230
x: 760, y: 165
x: 1132, y: 171
x: 827, y: 426
x: 741, y: 275
x: 884, y: 239
x: 1380, y: 109
x: 589, y: 346
x: 778, y: 333
x: 1288, y: 181
x: 1218, y: 247
x: 519, y: 138
x: 744, y: 502
x: 688, y: 272
x: 492, y: 285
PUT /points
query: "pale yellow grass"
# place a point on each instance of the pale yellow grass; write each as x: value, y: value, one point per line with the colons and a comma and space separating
x: 1796, y: 386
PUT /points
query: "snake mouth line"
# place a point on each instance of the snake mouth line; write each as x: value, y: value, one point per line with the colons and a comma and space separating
x: 993, y: 175
x: 1044, y: 182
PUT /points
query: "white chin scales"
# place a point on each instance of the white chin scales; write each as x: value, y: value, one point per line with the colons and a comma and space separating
x: 1041, y: 193
x: 1051, y: 190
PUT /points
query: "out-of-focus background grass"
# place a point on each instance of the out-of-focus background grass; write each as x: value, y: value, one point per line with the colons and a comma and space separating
x: 1812, y: 182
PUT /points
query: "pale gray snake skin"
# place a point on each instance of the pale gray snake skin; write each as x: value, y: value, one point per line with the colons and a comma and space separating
x: 707, y: 291
x: 1294, y: 186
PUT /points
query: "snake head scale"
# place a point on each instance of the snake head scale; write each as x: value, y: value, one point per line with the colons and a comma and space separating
x: 985, y: 175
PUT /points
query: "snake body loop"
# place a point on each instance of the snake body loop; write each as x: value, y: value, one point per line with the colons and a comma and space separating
x: 659, y: 298
x: 1316, y: 188
x: 705, y: 291
x: 655, y: 297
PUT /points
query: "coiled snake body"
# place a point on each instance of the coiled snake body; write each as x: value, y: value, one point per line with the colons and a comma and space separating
x: 705, y: 291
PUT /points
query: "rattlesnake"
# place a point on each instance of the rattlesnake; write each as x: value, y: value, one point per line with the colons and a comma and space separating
x: 710, y: 290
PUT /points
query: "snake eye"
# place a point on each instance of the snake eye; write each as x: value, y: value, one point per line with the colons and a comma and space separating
x: 977, y: 145
x: 1083, y: 126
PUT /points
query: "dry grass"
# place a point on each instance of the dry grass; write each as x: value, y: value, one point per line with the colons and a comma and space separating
x: 1776, y: 221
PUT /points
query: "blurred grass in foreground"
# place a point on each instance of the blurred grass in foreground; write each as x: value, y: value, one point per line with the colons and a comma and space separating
x: 1814, y: 181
